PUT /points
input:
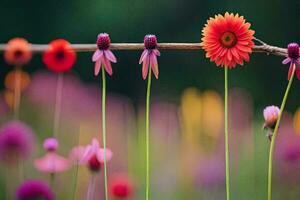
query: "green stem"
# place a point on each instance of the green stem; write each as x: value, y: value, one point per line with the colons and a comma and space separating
x: 104, y: 128
x: 272, y: 145
x: 226, y: 132
x: 147, y: 133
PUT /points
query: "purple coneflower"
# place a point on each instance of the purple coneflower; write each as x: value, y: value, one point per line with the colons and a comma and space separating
x: 149, y: 56
x: 16, y: 141
x: 34, y: 189
x: 51, y: 162
x: 103, y: 56
x: 293, y: 58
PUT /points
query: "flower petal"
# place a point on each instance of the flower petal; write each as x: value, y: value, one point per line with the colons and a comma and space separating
x: 143, y: 56
x: 286, y: 61
x: 298, y: 73
x: 154, y: 65
x: 100, y: 155
x: 97, y: 55
x: 145, y: 67
x: 110, y: 56
x: 97, y: 67
x: 107, y: 65
x: 290, y: 71
x: 156, y: 52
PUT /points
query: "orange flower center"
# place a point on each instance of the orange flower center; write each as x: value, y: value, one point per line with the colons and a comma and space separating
x: 228, y: 39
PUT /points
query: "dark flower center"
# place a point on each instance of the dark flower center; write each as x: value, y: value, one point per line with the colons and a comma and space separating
x: 150, y: 42
x: 18, y: 54
x: 59, y: 55
x: 103, y: 41
x: 293, y: 50
x: 228, y: 39
x: 94, y: 164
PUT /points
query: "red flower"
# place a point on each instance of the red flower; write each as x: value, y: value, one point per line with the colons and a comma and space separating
x: 59, y: 57
x: 120, y: 187
x: 227, y: 40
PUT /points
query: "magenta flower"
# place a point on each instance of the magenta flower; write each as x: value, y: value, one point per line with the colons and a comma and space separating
x: 16, y: 141
x: 103, y: 56
x: 34, y: 189
x: 94, y: 157
x: 293, y: 58
x: 51, y: 162
x: 271, y: 114
x: 149, y: 56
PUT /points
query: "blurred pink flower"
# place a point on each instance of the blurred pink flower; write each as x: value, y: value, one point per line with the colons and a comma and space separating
x: 76, y: 154
x: 103, y: 56
x: 51, y: 162
x: 94, y: 156
x: 149, y: 56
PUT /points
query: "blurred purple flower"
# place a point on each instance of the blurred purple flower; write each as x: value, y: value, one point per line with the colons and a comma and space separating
x: 149, y: 56
x: 51, y: 162
x: 16, y: 141
x: 103, y: 56
x: 34, y: 189
x: 210, y: 172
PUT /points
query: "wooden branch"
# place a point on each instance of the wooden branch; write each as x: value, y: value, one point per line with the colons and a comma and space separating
x: 263, y: 48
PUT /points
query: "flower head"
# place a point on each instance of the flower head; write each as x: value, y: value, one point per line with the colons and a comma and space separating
x: 16, y: 141
x: 103, y: 56
x: 10, y: 80
x: 59, y: 57
x: 17, y: 52
x: 51, y: 162
x: 120, y: 187
x: 34, y: 189
x: 94, y: 156
x: 227, y: 40
x: 149, y: 56
x: 293, y: 58
x: 271, y: 114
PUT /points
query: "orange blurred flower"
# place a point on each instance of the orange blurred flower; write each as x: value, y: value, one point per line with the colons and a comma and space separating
x: 10, y: 81
x: 227, y: 40
x: 9, y: 97
x: 17, y: 52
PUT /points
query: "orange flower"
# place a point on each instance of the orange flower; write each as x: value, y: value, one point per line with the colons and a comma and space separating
x: 17, y: 52
x: 227, y: 40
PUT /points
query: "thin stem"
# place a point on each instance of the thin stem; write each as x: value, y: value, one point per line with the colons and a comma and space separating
x: 226, y: 132
x: 91, y: 189
x: 17, y: 92
x: 58, y: 99
x: 76, y: 172
x: 104, y: 129
x: 272, y: 145
x: 147, y: 133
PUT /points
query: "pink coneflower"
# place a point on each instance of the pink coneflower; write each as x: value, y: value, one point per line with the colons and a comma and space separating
x: 94, y: 157
x: 293, y: 58
x: 271, y: 114
x: 121, y: 187
x: 149, y: 56
x: 51, y: 162
x: 103, y: 56
x: 34, y: 189
x: 16, y: 141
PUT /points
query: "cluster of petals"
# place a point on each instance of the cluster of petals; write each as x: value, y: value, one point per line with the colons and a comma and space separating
x: 51, y: 162
x: 227, y: 40
x: 94, y: 156
x: 17, y: 52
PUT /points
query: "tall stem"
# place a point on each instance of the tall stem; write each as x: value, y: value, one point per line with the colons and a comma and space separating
x: 17, y: 92
x: 58, y: 99
x: 147, y: 133
x: 226, y: 132
x: 272, y: 145
x: 91, y: 189
x: 104, y: 129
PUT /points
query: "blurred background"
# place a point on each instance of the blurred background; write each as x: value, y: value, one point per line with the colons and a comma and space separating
x: 187, y: 99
